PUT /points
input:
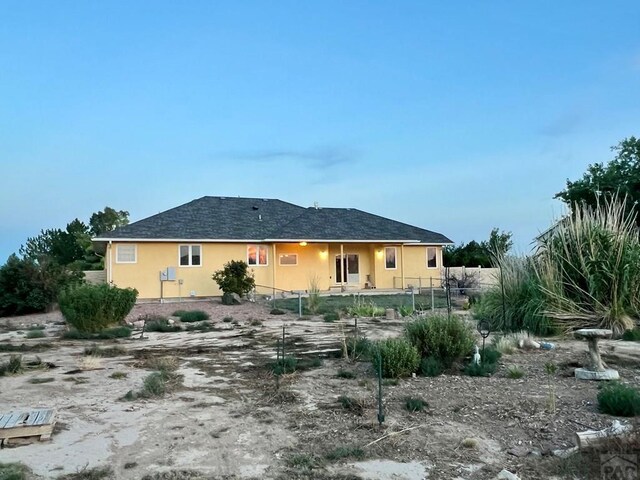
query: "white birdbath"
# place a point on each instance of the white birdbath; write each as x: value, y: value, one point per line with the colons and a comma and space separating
x: 597, y: 370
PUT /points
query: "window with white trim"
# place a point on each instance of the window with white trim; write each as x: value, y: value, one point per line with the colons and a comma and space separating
x: 289, y: 259
x: 126, y: 254
x: 257, y: 255
x: 390, y: 258
x: 432, y: 257
x: 190, y: 255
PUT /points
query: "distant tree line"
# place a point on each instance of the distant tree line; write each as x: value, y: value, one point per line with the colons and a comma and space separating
x: 46, y: 264
x: 478, y: 254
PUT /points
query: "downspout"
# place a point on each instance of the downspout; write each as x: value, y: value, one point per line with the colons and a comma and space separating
x: 273, y: 267
x: 402, y: 263
x: 342, y: 287
x: 110, y: 276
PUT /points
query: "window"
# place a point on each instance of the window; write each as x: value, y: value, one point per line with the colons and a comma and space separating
x: 432, y: 259
x: 257, y: 255
x: 289, y: 259
x: 126, y: 254
x: 190, y: 256
x: 390, y: 258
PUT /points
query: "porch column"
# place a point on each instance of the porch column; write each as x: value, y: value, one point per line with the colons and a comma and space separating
x: 342, y: 282
x: 274, y: 262
x: 402, y: 263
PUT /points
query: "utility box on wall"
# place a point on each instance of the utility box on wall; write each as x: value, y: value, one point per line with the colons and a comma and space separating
x: 168, y: 274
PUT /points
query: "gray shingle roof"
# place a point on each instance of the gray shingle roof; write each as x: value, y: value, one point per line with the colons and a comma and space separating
x: 230, y: 218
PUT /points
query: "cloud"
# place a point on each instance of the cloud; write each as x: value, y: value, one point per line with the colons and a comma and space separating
x: 316, y: 159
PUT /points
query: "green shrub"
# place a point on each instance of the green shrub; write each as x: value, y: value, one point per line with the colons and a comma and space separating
x: 235, y: 278
x: 405, y: 310
x: 178, y: 313
x: 202, y: 326
x: 631, y: 335
x: 192, y: 316
x: 277, y: 311
x: 331, y: 316
x: 86, y: 473
x: 227, y: 319
x: 303, y: 461
x: 154, y: 385
x: 345, y: 374
x: 399, y: 358
x: 358, y: 347
x: 161, y: 325
x: 313, y: 300
x: 481, y: 370
x: 345, y: 452
x: 118, y: 375
x: 415, y: 404
x: 283, y: 365
x: 431, y: 367
x: 14, y: 471
x: 35, y: 334
x: 355, y: 405
x: 515, y: 372
x: 446, y: 339
x: 490, y: 355
x: 91, y: 308
x: 364, y: 308
x: 618, y: 399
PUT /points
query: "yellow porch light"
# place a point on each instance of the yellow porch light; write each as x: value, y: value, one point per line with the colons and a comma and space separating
x: 303, y: 244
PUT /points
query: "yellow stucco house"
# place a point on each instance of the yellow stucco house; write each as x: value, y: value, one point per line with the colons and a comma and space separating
x: 174, y: 253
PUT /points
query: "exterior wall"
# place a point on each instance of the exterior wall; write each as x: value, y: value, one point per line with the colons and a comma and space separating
x: 144, y: 275
x: 411, y: 262
x: 314, y: 260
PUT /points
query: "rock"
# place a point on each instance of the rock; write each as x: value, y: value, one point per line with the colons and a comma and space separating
x: 519, y: 452
x: 230, y: 299
x: 390, y: 314
x: 507, y: 475
x: 564, y: 452
x: 606, y: 374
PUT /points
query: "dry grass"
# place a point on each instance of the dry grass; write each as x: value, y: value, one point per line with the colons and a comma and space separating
x: 89, y: 362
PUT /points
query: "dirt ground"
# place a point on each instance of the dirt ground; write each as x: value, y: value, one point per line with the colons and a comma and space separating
x: 230, y: 419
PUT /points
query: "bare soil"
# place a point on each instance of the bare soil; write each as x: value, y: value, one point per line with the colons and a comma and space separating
x: 231, y: 418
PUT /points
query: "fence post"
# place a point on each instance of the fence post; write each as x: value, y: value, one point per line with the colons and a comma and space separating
x: 433, y: 304
x: 274, y: 297
x: 380, y: 408
x: 284, y: 363
x: 300, y: 304
x: 419, y: 285
x: 413, y: 300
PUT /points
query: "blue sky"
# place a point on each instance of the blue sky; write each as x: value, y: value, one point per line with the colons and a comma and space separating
x: 453, y: 116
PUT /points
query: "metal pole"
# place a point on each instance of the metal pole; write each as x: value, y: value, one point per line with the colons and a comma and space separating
x: 300, y: 304
x: 284, y: 363
x: 433, y: 304
x: 380, y: 409
x: 274, y: 297
x: 413, y: 300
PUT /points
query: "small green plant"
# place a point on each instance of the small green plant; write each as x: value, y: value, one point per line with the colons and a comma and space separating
x: 345, y: 452
x: 14, y: 471
x: 397, y: 357
x: 277, y: 311
x: 108, y: 334
x: 92, y: 308
x: 415, y: 404
x: 161, y: 324
x: 616, y: 398
x: 35, y: 334
x: 490, y: 355
x: 355, y: 405
x: 390, y: 382
x: 431, y: 367
x: 357, y: 347
x: 235, y: 278
x: 13, y: 366
x: 441, y: 337
x: 308, y: 363
x: 550, y: 369
x: 631, y: 335
x: 515, y: 372
x: 469, y: 443
x: 364, y: 308
x: 192, y: 316
x: 115, y: 351
x: 86, y: 473
x: 331, y: 317
x: 119, y: 375
x: 283, y: 365
x: 39, y: 380
x: 405, y: 310
x: 345, y: 374
x: 480, y: 370
x: 227, y: 319
x: 313, y: 300
x: 302, y: 461
x: 36, y: 327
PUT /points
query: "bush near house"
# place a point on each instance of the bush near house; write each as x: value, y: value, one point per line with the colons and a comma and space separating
x: 235, y: 278
x: 92, y: 308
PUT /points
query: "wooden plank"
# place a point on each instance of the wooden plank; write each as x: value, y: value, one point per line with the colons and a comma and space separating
x: 41, y: 430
